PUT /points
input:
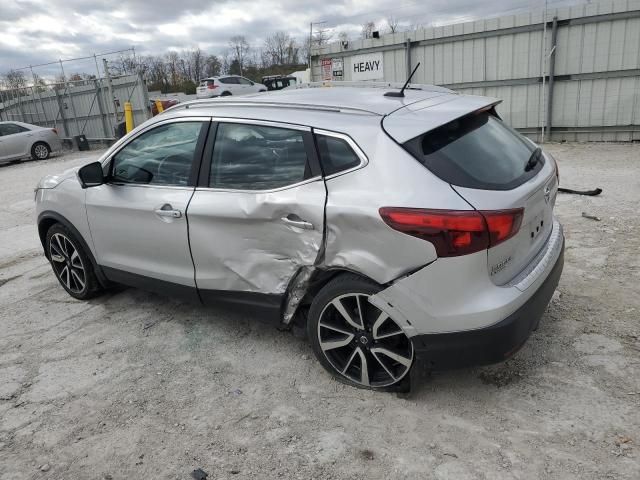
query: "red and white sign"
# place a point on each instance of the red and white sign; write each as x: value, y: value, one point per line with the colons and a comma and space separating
x: 327, y: 70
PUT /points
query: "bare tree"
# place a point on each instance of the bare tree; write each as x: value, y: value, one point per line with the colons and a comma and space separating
x: 156, y: 72
x: 212, y: 66
x: 343, y: 36
x: 274, y: 48
x: 293, y: 52
x: 280, y: 49
x: 14, y: 80
x: 39, y: 83
x: 392, y: 24
x: 321, y: 37
x: 367, y: 29
x: 239, y: 50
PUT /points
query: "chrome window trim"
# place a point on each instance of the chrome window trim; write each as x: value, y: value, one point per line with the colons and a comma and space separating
x: 265, y: 123
x: 167, y: 121
x: 364, y: 161
x: 270, y: 190
x: 146, y: 185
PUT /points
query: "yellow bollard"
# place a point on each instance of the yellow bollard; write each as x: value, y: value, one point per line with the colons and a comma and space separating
x: 159, y: 106
x: 128, y: 116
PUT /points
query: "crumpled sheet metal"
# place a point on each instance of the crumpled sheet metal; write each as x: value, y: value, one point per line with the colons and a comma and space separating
x: 296, y: 292
x: 260, y: 252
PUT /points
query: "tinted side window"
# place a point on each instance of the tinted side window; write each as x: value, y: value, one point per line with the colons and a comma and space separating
x: 336, y: 155
x: 11, y: 128
x: 162, y: 156
x: 243, y: 81
x: 255, y: 157
x: 476, y: 151
x: 228, y: 80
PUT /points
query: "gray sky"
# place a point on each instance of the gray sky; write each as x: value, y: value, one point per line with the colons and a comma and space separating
x: 39, y: 31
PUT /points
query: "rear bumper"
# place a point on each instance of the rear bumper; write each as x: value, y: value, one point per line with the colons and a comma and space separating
x: 490, y: 344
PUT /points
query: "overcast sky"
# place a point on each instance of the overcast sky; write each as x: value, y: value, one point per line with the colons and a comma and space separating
x: 39, y: 31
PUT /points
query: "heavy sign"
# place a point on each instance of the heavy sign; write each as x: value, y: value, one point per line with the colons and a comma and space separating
x: 367, y: 67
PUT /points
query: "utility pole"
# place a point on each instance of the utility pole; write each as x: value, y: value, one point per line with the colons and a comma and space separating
x: 542, y: 105
x: 110, y: 86
x: 321, y: 32
x: 37, y: 90
x: 70, y: 97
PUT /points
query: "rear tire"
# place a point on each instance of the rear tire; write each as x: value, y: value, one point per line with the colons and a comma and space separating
x: 71, y: 264
x: 355, y: 341
x: 40, y: 151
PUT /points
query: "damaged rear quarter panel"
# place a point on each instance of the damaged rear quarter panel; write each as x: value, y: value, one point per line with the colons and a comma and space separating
x: 357, y: 237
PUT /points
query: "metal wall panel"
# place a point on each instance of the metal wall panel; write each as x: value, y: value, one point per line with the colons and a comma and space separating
x: 506, y: 55
x: 80, y: 109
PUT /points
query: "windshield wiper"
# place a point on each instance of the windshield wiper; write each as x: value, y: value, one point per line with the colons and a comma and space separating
x: 533, y: 160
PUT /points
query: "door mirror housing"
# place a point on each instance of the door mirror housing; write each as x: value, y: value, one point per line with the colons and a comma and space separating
x: 91, y: 175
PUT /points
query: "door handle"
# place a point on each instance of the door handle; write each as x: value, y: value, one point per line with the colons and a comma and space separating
x: 295, y: 221
x: 167, y: 211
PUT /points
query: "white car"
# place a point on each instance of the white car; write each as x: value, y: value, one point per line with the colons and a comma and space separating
x: 21, y: 140
x: 227, y: 85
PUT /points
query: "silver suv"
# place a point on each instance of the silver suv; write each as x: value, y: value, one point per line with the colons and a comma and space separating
x: 400, y: 231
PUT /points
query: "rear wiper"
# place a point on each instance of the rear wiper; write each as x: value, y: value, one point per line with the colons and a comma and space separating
x: 533, y: 160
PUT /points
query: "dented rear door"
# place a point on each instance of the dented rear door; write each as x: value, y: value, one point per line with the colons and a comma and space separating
x: 258, y: 215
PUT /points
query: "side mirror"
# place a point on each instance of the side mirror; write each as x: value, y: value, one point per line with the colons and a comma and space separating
x: 252, y: 83
x: 91, y: 175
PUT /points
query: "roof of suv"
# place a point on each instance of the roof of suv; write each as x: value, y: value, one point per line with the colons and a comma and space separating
x: 364, y: 99
x: 423, y: 107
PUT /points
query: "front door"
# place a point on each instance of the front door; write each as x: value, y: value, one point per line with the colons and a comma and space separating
x: 138, y: 219
x: 259, y: 215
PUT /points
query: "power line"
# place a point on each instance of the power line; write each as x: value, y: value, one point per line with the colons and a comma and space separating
x: 57, y: 62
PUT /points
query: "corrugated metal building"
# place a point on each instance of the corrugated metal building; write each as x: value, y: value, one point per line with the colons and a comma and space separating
x: 591, y: 78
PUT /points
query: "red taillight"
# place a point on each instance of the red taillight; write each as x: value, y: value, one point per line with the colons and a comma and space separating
x: 502, y: 224
x: 54, y: 130
x: 455, y: 232
x: 211, y: 86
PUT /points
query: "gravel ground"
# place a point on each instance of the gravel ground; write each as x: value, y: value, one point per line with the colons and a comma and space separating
x: 133, y: 385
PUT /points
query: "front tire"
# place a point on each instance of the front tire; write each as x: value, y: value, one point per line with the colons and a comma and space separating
x: 71, y: 264
x: 354, y: 340
x: 40, y: 151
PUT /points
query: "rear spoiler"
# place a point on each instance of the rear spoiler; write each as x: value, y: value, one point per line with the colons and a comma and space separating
x: 420, y: 117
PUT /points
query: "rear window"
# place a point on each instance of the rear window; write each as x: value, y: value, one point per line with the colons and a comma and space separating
x: 476, y: 151
x: 336, y: 155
